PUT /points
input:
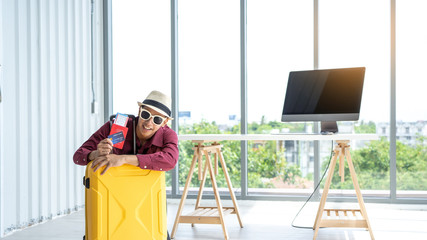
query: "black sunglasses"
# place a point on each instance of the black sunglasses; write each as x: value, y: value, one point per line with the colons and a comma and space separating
x: 146, y: 115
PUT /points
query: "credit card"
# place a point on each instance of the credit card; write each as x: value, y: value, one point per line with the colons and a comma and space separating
x: 117, y: 137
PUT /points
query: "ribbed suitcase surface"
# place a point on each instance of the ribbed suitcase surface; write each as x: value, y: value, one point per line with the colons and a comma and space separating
x: 126, y: 203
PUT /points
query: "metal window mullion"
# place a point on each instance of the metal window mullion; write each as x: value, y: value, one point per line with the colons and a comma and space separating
x: 174, y: 87
x: 393, y: 100
x: 108, y: 59
x: 243, y: 100
x: 316, y: 145
x: 2, y: 198
x: 315, y: 34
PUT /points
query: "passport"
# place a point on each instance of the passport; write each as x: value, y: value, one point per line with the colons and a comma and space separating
x: 119, y: 127
x: 121, y: 119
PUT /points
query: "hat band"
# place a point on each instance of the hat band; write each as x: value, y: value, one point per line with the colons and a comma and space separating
x: 158, y: 105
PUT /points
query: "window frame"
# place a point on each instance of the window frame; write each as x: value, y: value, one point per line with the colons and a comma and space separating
x: 174, y: 193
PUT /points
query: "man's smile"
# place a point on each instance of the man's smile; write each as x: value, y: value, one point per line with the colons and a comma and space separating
x: 147, y: 128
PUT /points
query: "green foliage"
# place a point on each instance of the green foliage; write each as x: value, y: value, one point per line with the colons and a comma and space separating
x: 264, y: 127
x: 291, y: 173
x: 263, y: 160
x: 267, y: 164
x: 230, y: 150
x: 202, y: 127
x: 365, y: 128
x: 263, y: 163
x: 372, y: 165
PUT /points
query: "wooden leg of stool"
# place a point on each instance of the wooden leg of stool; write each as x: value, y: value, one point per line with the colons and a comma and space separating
x: 358, y: 192
x: 217, y: 197
x: 199, y: 153
x: 202, y: 184
x: 230, y: 188
x: 184, y: 195
x: 325, y: 194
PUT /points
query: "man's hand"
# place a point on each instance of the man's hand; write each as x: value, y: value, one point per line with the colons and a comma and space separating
x: 104, y: 147
x: 110, y: 160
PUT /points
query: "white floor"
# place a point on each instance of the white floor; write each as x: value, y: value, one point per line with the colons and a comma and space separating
x: 262, y: 220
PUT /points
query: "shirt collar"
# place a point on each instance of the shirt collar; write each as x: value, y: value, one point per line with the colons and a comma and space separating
x: 157, y: 139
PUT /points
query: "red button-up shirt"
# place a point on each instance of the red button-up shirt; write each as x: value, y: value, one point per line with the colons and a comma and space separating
x: 160, y: 152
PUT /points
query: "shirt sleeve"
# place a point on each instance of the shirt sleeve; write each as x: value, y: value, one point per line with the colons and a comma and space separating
x: 81, y: 156
x: 166, y: 158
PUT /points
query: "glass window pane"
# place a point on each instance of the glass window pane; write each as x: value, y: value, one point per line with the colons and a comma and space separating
x: 280, y: 39
x: 141, y: 51
x: 209, y: 78
x: 411, y: 110
x: 356, y: 33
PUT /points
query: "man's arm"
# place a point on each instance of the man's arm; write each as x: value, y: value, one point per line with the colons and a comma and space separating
x: 113, y: 160
x: 87, y: 152
x: 165, y: 159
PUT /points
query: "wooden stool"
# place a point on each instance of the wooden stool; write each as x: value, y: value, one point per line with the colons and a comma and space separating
x: 349, y: 218
x: 207, y: 215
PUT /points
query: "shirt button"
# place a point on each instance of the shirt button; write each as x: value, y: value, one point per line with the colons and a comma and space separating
x: 161, y: 169
x: 145, y: 166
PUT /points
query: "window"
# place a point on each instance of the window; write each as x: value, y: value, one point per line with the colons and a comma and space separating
x: 141, y: 51
x: 411, y: 81
x: 209, y: 77
x: 280, y: 39
x: 343, y: 42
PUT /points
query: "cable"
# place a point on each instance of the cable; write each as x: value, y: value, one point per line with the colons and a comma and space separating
x: 315, y: 189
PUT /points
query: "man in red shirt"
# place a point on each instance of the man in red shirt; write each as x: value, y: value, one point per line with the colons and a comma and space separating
x: 156, y: 143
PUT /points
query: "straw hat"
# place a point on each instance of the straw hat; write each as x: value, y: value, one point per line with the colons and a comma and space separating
x: 159, y: 102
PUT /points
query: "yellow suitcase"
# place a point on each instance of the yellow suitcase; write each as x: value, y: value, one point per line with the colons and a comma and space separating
x: 126, y: 203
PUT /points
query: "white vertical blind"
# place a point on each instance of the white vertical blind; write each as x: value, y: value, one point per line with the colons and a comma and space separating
x: 1, y: 125
x: 45, y: 112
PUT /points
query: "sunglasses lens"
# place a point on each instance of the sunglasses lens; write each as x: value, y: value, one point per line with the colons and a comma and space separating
x: 157, y: 120
x: 145, y: 115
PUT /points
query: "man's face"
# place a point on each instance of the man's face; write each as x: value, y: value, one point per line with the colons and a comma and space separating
x: 147, y: 128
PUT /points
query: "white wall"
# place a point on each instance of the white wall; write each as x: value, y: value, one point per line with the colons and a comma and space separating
x: 45, y: 113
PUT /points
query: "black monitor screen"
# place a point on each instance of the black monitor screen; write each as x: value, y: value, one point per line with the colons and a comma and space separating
x: 324, y: 95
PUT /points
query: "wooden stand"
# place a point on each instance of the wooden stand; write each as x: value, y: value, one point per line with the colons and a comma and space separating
x: 207, y: 215
x: 349, y: 218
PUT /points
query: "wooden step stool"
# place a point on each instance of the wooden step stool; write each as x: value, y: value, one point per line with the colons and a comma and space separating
x: 348, y: 218
x: 207, y: 215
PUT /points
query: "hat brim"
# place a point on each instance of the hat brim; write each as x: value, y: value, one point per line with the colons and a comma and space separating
x: 155, y: 109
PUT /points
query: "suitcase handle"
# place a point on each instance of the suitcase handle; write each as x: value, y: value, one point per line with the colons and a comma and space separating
x: 130, y: 170
x: 86, y: 182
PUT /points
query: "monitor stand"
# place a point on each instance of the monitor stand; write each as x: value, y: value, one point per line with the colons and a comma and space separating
x: 328, y: 127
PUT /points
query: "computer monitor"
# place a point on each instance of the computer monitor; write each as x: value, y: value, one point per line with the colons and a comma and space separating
x: 326, y: 95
